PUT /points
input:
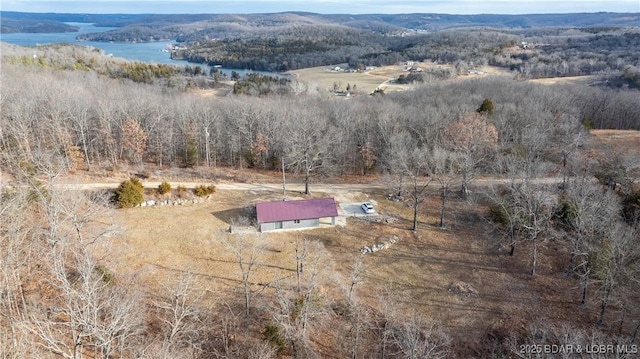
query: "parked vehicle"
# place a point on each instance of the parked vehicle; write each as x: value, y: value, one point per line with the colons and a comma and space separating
x: 367, y: 208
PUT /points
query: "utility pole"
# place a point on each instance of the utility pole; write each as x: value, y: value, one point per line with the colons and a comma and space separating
x: 284, y: 187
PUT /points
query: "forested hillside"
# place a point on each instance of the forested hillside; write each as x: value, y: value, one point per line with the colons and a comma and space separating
x: 375, y: 22
x: 65, y: 113
x: 536, y: 46
x: 171, y: 118
x: 34, y: 26
x: 610, y: 53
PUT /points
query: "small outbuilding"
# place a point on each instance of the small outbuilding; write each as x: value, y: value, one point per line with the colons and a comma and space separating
x: 295, y: 214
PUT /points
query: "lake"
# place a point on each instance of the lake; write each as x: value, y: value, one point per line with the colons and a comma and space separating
x: 149, y: 52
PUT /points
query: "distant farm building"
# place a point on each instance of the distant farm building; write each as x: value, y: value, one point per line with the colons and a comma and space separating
x: 295, y: 214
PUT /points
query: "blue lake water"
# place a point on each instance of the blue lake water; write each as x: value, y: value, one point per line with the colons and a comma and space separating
x: 149, y: 52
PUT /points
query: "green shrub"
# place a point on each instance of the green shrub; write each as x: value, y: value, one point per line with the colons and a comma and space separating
x: 498, y: 214
x: 191, y: 154
x: 203, y: 190
x: 164, y: 187
x: 250, y: 158
x: 104, y: 273
x: 129, y: 193
x: 297, y: 307
x: 565, y: 213
x: 272, y: 335
x: 38, y: 192
x: 631, y: 207
x: 486, y: 107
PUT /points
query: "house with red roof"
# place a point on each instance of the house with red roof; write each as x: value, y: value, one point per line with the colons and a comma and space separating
x: 295, y: 214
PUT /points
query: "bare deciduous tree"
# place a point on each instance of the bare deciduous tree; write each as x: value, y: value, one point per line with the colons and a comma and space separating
x: 305, y: 146
x: 586, y: 212
x: 85, y: 213
x: 475, y: 140
x: 180, y: 315
x: 445, y: 167
x: 90, y: 310
x: 534, y: 208
x: 246, y: 252
x: 416, y: 338
x: 617, y: 260
x: 525, y: 209
x: 411, y: 161
x: 295, y: 309
x: 355, y: 277
x: 16, y: 253
x: 301, y: 256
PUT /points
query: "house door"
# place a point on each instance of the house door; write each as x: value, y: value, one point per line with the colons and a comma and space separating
x: 277, y: 225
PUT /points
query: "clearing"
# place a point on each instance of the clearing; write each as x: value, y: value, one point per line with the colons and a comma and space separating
x: 424, y: 271
x: 324, y: 78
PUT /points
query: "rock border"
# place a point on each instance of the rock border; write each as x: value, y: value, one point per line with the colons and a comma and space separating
x: 380, y: 246
x: 173, y: 202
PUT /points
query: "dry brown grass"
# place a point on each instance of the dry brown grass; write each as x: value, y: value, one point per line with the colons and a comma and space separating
x: 215, y: 92
x: 161, y: 242
x: 366, y: 82
x: 419, y: 271
x: 324, y: 79
x: 379, y: 77
x: 576, y: 80
x: 620, y: 141
x: 606, y: 145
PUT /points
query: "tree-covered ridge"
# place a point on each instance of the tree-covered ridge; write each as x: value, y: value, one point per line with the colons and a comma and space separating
x: 66, y: 57
x: 287, y: 50
x: 365, y: 122
x: 571, y: 52
x: 8, y: 26
x: 129, y: 34
x: 585, y: 44
x: 384, y: 23
x: 536, y: 53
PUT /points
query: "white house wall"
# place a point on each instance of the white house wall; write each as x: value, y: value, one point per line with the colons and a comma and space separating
x: 304, y: 223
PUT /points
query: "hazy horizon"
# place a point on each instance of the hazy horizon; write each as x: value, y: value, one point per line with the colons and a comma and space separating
x: 461, y: 7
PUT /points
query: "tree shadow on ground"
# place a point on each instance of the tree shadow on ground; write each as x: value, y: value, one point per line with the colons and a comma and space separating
x: 236, y: 215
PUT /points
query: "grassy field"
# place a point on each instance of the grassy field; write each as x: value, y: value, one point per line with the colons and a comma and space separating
x: 323, y: 79
x: 577, y: 80
x: 626, y: 143
x: 616, y: 145
x: 423, y: 271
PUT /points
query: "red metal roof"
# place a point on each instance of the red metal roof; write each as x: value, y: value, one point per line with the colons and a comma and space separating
x: 292, y: 210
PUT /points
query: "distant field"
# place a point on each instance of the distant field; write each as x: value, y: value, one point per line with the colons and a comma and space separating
x: 619, y: 142
x: 323, y: 79
x: 578, y: 80
x: 366, y: 82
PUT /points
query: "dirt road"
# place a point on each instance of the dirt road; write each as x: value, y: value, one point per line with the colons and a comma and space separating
x: 291, y: 187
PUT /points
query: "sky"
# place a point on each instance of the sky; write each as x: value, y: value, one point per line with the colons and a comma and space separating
x: 322, y: 6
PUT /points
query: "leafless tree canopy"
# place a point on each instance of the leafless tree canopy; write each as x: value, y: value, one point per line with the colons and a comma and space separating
x: 59, y: 298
